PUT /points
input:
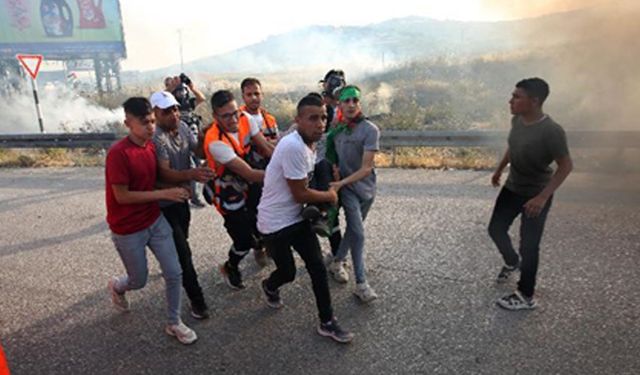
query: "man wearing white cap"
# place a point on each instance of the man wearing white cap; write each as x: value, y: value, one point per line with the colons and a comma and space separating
x: 174, y: 142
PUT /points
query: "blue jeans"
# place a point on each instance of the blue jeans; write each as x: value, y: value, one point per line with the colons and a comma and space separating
x: 131, y: 248
x: 355, y: 211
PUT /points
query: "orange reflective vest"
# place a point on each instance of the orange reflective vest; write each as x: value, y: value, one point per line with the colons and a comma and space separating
x: 230, y: 190
x: 269, y: 125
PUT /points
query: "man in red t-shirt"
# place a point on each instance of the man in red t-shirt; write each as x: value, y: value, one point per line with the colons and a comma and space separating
x: 134, y: 216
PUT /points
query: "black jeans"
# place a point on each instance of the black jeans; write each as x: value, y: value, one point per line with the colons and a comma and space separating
x: 300, y: 236
x: 508, y: 207
x: 240, y: 226
x: 179, y: 217
x: 322, y: 176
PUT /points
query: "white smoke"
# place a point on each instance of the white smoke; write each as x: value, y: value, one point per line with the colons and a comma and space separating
x: 379, y: 101
x: 63, y: 110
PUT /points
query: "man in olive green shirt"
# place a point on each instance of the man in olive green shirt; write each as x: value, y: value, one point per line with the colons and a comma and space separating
x: 535, y: 141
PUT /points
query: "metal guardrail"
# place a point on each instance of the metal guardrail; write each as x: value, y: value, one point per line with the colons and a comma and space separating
x: 498, y: 138
x: 389, y: 139
x: 59, y: 140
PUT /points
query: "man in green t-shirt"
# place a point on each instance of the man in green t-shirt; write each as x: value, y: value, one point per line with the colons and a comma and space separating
x: 535, y: 141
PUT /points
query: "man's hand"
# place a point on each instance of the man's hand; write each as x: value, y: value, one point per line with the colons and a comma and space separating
x: 334, y: 195
x: 202, y: 174
x: 534, y: 206
x: 495, y: 179
x: 176, y: 194
x: 337, y: 185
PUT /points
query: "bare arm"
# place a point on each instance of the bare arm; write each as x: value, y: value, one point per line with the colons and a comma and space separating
x: 535, y: 205
x: 197, y: 93
x: 303, y: 194
x: 242, y: 169
x: 495, y: 178
x: 364, y: 171
x: 124, y: 196
x: 173, y: 176
x: 265, y: 148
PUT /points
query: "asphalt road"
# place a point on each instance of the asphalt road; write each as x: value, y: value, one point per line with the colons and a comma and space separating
x: 428, y: 256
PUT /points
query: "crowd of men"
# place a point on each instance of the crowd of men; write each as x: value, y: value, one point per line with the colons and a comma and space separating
x: 277, y: 191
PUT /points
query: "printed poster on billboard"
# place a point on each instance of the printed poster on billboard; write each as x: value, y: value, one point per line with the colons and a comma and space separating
x: 61, y: 29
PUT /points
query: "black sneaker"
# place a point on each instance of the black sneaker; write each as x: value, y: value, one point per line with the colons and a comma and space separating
x: 321, y: 228
x: 505, y: 272
x: 196, y: 203
x: 332, y: 329
x: 199, y: 311
x: 231, y: 276
x: 311, y: 213
x: 273, y: 298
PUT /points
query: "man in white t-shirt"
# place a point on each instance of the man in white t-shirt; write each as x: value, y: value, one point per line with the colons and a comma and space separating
x: 286, y: 189
x: 227, y: 144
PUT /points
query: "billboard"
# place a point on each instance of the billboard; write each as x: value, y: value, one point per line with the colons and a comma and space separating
x: 61, y: 29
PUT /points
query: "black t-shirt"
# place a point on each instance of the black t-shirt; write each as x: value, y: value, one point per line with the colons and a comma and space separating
x: 532, y: 149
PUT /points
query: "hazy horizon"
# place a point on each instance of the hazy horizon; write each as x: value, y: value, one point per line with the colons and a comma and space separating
x: 151, y: 27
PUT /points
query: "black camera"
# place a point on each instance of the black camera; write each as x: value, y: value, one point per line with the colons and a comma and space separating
x: 333, y: 82
x: 184, y: 79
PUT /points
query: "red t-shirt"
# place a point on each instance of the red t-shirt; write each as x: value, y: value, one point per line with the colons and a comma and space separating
x: 134, y: 166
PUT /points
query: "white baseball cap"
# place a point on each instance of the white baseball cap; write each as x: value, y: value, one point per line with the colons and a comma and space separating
x: 163, y: 100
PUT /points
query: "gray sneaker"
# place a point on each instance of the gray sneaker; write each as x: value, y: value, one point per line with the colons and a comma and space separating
x: 336, y: 269
x: 517, y: 301
x: 365, y: 293
x: 506, y: 272
x: 119, y: 300
x: 181, y: 332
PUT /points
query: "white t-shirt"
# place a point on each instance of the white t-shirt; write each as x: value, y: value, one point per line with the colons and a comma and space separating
x: 291, y: 160
x: 257, y: 118
x: 222, y: 152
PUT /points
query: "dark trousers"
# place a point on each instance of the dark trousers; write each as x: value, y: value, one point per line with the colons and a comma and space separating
x: 508, y: 206
x: 179, y: 217
x: 301, y: 238
x: 322, y: 176
x: 240, y: 226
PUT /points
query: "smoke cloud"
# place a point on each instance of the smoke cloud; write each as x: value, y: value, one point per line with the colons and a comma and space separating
x: 62, y: 109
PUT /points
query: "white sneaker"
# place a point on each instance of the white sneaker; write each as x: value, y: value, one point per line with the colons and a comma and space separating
x: 336, y: 269
x: 181, y: 332
x: 119, y: 300
x: 365, y: 292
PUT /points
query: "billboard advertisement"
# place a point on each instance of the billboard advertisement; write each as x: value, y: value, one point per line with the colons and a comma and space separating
x: 61, y: 29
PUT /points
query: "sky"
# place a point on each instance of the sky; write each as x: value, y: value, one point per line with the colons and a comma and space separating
x: 211, y: 27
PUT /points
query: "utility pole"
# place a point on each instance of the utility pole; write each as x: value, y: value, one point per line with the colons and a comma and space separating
x: 180, y: 43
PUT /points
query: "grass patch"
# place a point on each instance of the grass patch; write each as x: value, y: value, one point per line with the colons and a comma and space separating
x: 406, y: 157
x: 51, y: 157
x: 437, y: 158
